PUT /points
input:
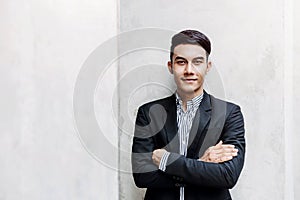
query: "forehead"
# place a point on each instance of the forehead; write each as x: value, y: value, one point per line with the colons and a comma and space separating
x: 189, y: 51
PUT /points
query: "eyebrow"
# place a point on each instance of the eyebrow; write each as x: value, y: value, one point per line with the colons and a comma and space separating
x: 182, y: 58
x: 179, y: 58
x: 200, y: 57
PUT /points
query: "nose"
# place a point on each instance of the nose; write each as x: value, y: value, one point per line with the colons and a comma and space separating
x: 189, y: 69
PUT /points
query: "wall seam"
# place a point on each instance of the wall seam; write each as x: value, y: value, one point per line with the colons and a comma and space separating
x: 288, y: 98
x: 118, y: 92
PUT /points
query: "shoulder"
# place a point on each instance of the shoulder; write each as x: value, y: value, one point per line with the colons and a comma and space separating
x: 219, y: 103
x: 165, y: 102
x: 226, y: 112
x: 156, y: 108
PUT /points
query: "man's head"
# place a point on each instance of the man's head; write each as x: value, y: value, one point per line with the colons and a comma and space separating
x: 189, y: 62
x: 190, y: 37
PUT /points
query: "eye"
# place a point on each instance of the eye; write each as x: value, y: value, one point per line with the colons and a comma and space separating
x: 197, y: 62
x: 180, y: 62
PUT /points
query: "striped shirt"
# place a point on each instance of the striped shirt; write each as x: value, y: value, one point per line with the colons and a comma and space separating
x: 184, y: 123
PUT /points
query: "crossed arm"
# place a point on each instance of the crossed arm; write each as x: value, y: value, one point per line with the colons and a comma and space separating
x: 220, y: 166
x: 215, y: 154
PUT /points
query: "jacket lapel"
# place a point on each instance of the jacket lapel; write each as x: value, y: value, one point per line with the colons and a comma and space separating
x: 171, y: 126
x: 199, y: 126
x: 198, y: 130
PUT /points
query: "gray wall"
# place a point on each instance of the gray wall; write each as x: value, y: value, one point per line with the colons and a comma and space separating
x: 252, y: 50
x: 44, y: 44
x: 296, y: 99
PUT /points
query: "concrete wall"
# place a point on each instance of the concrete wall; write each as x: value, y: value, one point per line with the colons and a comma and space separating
x: 44, y: 46
x: 296, y: 99
x: 251, y: 47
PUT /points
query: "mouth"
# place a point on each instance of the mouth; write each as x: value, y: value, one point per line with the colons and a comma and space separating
x: 189, y: 80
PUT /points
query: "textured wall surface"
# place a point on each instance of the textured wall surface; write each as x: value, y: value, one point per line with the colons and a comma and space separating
x: 296, y: 100
x: 249, y: 44
x: 42, y: 47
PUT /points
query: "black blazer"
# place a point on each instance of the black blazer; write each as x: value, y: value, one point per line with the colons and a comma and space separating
x: 156, y: 127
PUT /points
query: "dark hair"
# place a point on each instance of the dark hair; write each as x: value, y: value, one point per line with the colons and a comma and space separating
x: 190, y: 37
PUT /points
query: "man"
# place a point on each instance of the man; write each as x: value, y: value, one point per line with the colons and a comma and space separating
x: 189, y: 145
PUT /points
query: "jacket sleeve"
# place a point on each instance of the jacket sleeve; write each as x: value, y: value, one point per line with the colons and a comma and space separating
x: 219, y: 175
x: 145, y: 173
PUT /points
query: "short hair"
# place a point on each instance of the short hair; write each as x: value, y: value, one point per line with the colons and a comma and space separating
x: 190, y: 37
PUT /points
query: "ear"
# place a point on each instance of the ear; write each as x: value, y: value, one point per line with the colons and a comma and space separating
x: 170, y: 67
x: 209, y: 66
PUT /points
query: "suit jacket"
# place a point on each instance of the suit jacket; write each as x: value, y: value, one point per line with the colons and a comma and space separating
x: 156, y: 127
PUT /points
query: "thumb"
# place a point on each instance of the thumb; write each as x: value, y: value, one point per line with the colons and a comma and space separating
x: 220, y: 143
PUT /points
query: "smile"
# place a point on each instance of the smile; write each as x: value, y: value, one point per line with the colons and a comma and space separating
x: 189, y: 79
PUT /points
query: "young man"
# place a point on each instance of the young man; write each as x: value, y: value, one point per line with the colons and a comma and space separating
x: 189, y: 145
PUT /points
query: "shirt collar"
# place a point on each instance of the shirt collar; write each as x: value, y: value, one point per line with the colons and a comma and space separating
x: 192, y: 104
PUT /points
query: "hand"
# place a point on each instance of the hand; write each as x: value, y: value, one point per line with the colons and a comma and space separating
x: 157, y: 155
x: 219, y: 153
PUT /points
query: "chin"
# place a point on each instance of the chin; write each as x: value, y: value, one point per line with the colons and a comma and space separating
x: 188, y: 91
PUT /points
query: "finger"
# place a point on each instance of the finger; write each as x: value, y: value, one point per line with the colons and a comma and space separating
x: 235, y: 151
x: 230, y: 150
x: 228, y: 146
x: 223, y: 146
x: 154, y: 154
x: 205, y: 155
x: 218, y: 151
x: 224, y: 150
x: 153, y: 157
x: 220, y: 159
x: 223, y: 158
x: 221, y: 153
x: 218, y: 146
x: 226, y: 158
x: 228, y: 154
x: 214, y: 156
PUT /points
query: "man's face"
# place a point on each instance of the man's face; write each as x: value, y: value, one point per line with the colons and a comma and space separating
x: 189, y: 67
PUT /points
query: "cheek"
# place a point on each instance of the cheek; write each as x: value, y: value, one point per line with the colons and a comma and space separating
x: 202, y: 69
x: 201, y: 72
x: 177, y: 76
x: 178, y: 71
